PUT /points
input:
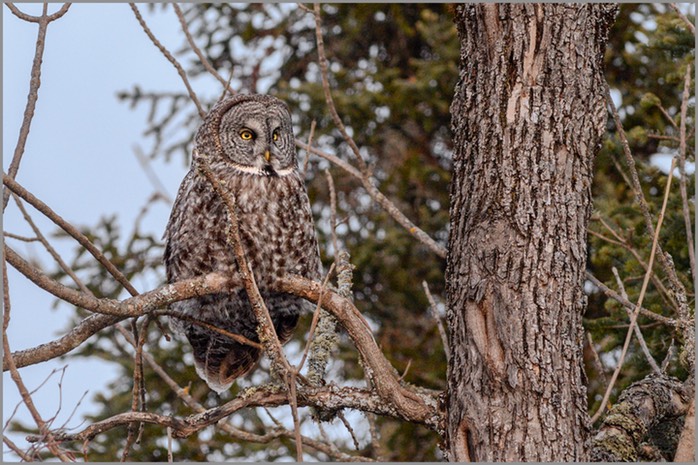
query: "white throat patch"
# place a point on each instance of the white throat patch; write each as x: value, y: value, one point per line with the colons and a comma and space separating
x: 259, y: 171
x: 251, y: 169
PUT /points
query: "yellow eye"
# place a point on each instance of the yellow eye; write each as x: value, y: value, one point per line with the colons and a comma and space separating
x: 275, y: 136
x: 246, y: 135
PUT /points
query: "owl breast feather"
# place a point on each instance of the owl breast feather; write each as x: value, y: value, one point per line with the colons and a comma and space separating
x: 276, y: 231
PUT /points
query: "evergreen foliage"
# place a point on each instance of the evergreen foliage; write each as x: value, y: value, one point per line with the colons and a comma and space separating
x: 393, y: 70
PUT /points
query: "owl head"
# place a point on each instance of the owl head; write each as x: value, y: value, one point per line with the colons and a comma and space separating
x: 252, y: 133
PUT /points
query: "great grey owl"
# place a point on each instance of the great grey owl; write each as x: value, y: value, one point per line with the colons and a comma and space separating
x: 249, y: 144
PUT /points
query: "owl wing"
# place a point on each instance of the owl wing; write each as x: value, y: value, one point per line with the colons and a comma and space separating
x: 179, y: 209
x: 195, y: 234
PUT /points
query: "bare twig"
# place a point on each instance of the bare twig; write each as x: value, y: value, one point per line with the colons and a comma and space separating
x: 20, y: 453
x: 671, y: 351
x: 70, y: 229
x: 41, y: 238
x: 691, y: 27
x: 17, y: 379
x: 227, y: 85
x: 375, y: 437
x: 638, y: 333
x: 304, y: 8
x: 170, y: 58
x: 645, y: 282
x: 347, y: 425
x: 239, y: 338
x: 682, y: 170
x: 306, y: 160
x: 363, y: 173
x: 197, y: 50
x: 333, y: 215
x: 437, y: 318
x: 622, y: 242
x: 313, y: 324
x: 169, y: 445
x: 322, y: 58
x: 662, y: 137
x: 267, y: 335
x: 666, y: 115
x: 138, y: 390
x: 34, y: 391
x: 385, y: 203
x: 597, y: 359
x: 329, y: 157
x: 20, y: 238
x: 667, y: 265
x: 159, y: 187
x: 34, y: 84
x: 293, y: 402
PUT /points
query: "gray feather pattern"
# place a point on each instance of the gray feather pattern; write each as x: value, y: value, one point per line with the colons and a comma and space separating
x: 276, y: 230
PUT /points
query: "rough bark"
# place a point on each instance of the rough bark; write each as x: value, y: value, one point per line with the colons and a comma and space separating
x: 645, y: 424
x: 528, y: 117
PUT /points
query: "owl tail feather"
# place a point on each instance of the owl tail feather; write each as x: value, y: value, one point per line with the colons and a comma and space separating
x: 220, y: 362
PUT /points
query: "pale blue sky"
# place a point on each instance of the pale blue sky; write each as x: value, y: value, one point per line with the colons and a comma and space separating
x: 79, y: 159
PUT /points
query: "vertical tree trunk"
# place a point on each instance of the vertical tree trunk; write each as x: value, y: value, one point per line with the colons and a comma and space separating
x: 528, y: 116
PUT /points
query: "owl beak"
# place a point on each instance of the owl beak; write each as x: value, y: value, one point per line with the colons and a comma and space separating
x: 267, y: 155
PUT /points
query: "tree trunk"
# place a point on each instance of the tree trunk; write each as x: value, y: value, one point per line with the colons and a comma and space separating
x: 528, y: 117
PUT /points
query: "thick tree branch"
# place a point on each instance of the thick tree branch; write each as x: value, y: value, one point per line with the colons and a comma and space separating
x: 131, y: 307
x: 382, y: 374
x: 111, y: 311
x: 643, y: 405
x: 403, y: 402
x: 39, y: 19
x: 242, y: 435
x: 327, y: 397
x: 61, y: 346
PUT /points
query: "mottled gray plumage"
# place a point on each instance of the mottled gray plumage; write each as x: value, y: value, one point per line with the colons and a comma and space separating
x: 249, y: 144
